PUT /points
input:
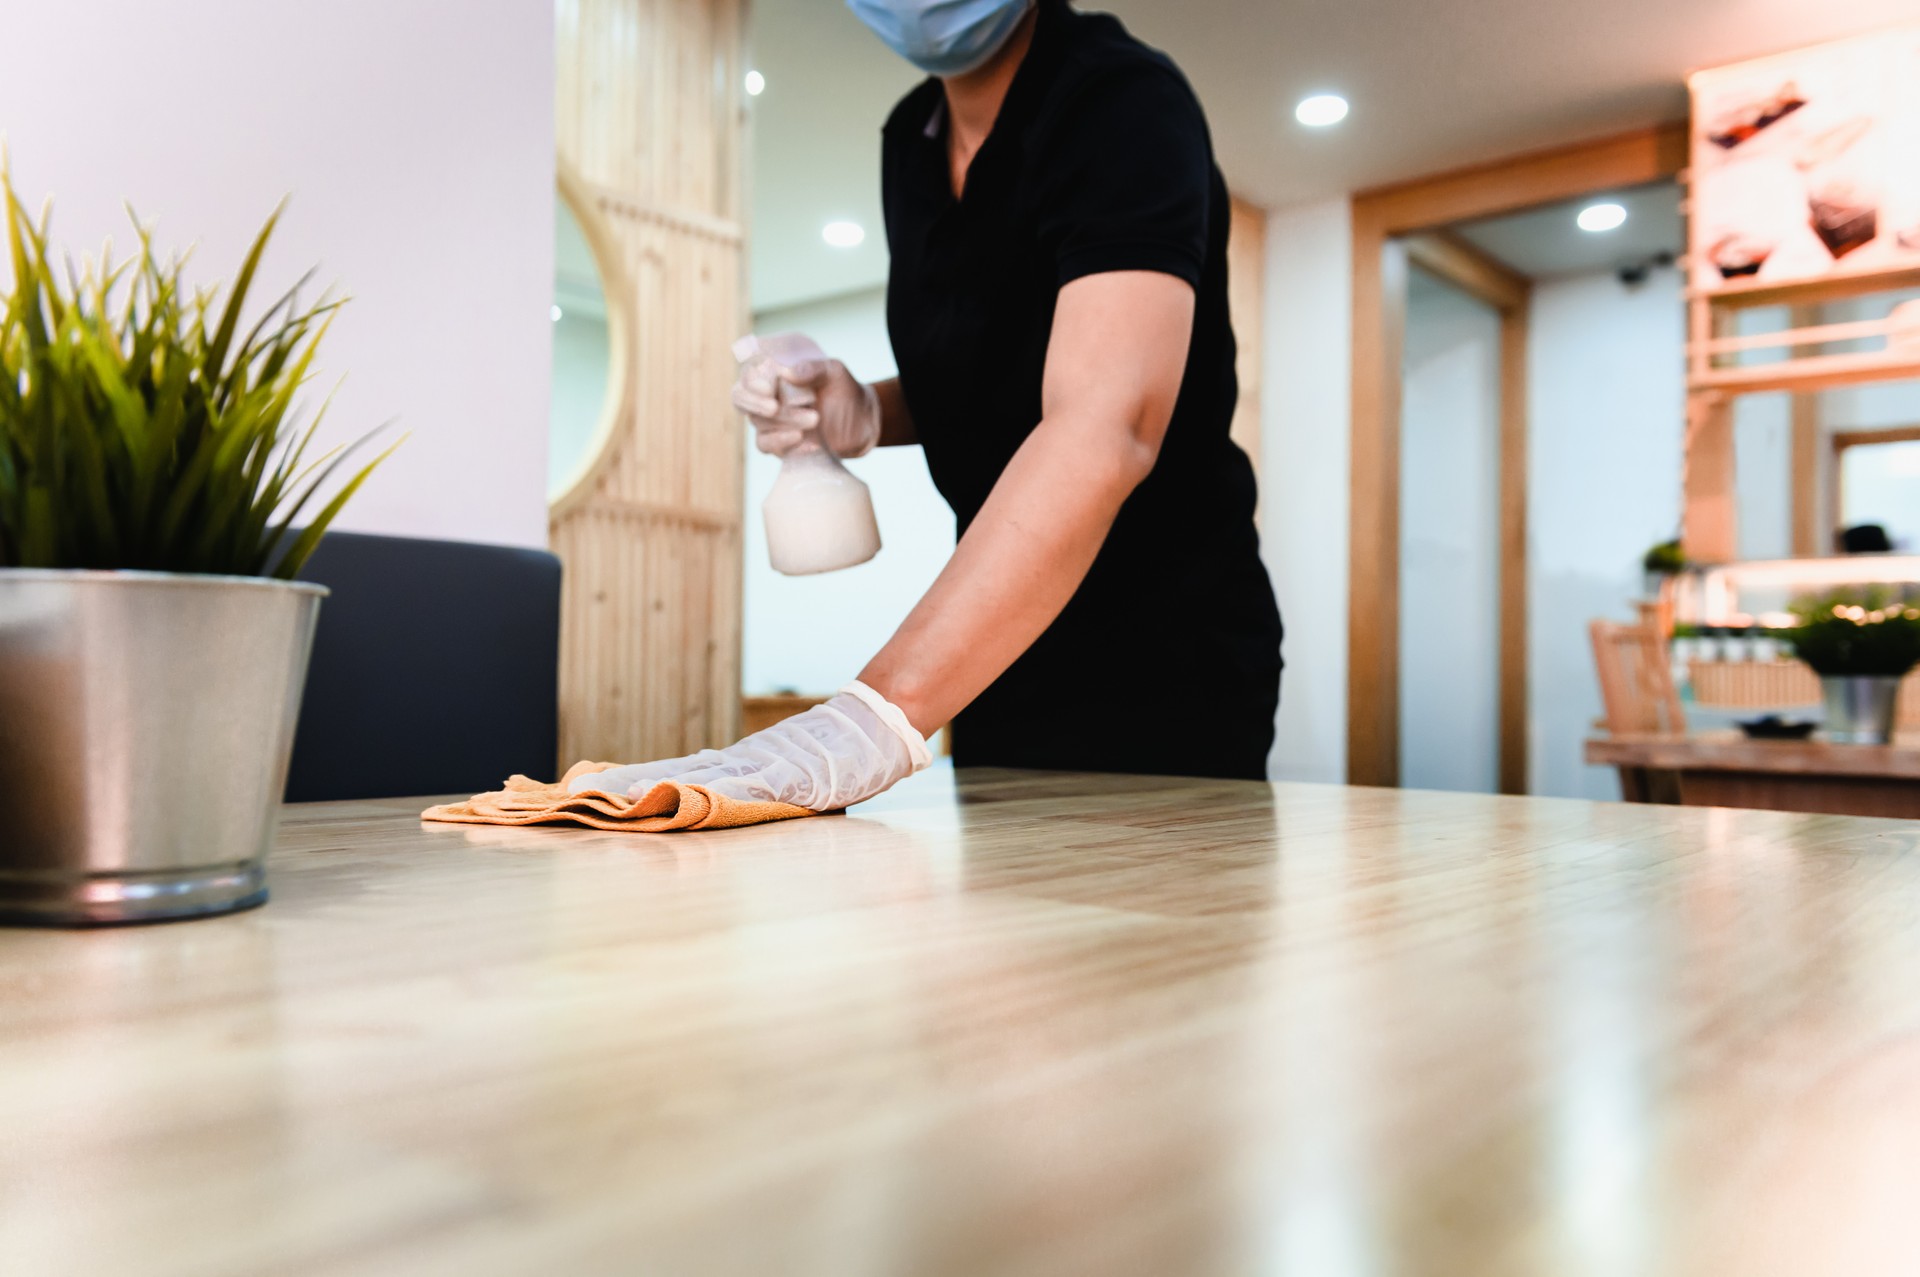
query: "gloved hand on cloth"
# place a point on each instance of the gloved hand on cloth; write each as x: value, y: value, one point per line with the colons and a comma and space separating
x: 846, y: 751
x: 788, y: 387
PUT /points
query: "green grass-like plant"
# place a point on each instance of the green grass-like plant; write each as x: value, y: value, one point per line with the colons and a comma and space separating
x: 1665, y: 559
x: 1865, y: 630
x: 139, y: 428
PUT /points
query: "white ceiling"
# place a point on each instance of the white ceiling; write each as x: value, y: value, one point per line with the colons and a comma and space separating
x: 1544, y: 242
x: 1434, y: 84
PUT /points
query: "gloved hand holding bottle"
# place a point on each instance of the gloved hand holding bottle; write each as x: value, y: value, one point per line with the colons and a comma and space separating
x: 809, y: 411
x: 788, y: 387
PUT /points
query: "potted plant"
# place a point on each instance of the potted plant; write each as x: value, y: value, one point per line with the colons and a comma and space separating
x: 153, y: 641
x: 1861, y: 642
x: 1660, y: 563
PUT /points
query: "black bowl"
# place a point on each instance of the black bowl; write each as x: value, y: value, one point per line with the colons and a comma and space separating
x: 1774, y: 727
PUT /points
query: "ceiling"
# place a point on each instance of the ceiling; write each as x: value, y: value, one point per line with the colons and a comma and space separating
x: 1434, y: 84
x: 1544, y: 242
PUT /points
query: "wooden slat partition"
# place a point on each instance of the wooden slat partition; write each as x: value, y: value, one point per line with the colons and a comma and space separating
x: 649, y: 127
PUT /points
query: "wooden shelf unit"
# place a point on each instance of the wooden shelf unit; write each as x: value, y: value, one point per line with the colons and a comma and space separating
x: 1810, y: 373
x: 1715, y: 379
x: 1740, y: 294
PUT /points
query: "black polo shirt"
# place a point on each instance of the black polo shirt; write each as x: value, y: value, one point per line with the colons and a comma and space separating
x: 1167, y: 659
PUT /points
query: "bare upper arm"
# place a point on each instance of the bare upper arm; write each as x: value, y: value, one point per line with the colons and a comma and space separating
x: 1118, y: 353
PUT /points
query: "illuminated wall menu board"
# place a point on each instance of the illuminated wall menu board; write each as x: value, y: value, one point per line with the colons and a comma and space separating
x: 1807, y: 164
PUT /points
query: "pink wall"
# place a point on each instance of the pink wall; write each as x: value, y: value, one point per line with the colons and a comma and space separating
x: 416, y: 139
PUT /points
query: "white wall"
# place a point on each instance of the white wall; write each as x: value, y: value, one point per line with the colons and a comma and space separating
x: 1763, y: 451
x: 1874, y: 407
x: 1304, y: 427
x: 1763, y: 475
x: 1881, y: 484
x: 416, y: 141
x: 1449, y: 541
x: 1606, y: 399
x: 812, y: 634
x: 1881, y: 404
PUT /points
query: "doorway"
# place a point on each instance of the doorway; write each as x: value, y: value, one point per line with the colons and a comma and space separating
x: 1436, y: 226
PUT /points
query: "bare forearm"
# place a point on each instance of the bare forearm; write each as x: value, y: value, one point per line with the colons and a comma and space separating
x: 1018, y: 565
x: 896, y: 423
x: 1114, y: 364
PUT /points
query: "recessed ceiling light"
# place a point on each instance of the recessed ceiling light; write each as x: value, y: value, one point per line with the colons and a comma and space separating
x: 557, y: 312
x: 1321, y: 110
x: 843, y: 234
x: 756, y: 84
x: 1600, y: 217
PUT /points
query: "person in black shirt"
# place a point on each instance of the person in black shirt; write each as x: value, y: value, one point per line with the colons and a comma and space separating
x: 1057, y: 304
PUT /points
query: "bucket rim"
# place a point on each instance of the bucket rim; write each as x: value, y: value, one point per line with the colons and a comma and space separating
x: 135, y: 576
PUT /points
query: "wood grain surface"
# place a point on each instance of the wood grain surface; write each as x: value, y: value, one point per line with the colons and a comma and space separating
x: 1011, y: 1023
x: 1733, y: 751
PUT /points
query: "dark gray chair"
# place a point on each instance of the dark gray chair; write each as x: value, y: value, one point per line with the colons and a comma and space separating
x: 435, y: 669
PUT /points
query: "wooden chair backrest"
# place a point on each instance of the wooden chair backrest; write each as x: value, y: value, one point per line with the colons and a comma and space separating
x: 1636, y: 682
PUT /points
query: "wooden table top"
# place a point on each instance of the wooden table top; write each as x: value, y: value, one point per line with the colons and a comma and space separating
x: 1020, y: 1024
x: 1733, y: 751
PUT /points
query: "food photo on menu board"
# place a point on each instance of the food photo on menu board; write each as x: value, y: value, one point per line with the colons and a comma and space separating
x: 1804, y: 163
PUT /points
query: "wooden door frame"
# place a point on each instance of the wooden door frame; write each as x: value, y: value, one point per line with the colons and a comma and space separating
x: 1380, y: 217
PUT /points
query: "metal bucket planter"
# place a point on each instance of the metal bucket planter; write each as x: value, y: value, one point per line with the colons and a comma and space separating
x: 146, y: 721
x: 1859, y: 708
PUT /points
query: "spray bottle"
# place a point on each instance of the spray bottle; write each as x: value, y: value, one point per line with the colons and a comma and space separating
x: 819, y: 517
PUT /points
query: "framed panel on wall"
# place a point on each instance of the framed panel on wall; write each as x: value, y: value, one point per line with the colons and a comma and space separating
x: 1803, y: 164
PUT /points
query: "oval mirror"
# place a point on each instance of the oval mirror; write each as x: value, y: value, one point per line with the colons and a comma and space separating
x: 584, y: 367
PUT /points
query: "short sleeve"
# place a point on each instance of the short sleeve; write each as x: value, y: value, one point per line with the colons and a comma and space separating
x: 1128, y: 175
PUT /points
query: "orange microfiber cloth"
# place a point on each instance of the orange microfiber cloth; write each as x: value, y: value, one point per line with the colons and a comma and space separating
x: 668, y: 806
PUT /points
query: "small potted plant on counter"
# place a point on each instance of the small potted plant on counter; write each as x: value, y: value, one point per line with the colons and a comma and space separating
x: 153, y: 641
x: 1861, y: 642
x: 1660, y: 564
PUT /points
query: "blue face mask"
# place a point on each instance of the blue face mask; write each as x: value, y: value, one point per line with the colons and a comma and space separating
x: 942, y: 37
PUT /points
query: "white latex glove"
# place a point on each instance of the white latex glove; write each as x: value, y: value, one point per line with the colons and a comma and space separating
x: 834, y: 755
x: 791, y: 388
